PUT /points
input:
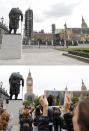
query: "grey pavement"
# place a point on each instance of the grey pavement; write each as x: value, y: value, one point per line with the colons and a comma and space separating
x: 42, y: 56
x: 13, y: 109
x: 15, y: 128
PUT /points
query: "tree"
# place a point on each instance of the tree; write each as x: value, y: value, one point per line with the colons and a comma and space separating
x: 27, y: 103
x: 74, y: 99
x: 58, y: 101
x: 36, y: 101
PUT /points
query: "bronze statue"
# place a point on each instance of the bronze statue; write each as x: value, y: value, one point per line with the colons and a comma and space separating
x: 15, y: 80
x: 14, y: 16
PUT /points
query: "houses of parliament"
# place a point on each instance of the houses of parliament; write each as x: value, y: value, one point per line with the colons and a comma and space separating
x: 78, y: 34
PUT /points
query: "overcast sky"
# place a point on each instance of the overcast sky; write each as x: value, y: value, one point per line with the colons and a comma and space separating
x: 47, y: 12
x: 48, y: 77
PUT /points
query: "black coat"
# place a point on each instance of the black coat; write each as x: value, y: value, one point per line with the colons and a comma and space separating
x: 57, y: 117
x: 68, y: 121
x: 25, y: 120
x: 43, y: 124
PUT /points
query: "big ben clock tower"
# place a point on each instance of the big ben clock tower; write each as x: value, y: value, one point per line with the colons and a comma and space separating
x: 29, y: 84
x: 29, y: 96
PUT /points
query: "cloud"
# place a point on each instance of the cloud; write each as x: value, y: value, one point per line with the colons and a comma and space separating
x: 46, y: 11
x: 55, y: 11
x: 38, y: 18
x: 60, y: 10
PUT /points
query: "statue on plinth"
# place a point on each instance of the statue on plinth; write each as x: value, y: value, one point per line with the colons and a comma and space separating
x: 15, y: 81
x: 14, y: 17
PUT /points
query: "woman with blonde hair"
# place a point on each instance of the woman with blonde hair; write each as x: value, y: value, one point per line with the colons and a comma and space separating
x: 4, y: 121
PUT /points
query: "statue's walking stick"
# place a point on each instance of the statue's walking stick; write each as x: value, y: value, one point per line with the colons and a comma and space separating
x: 22, y: 92
x: 21, y: 28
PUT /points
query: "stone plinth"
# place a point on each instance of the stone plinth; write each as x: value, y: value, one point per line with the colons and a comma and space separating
x: 11, y: 47
x: 13, y: 108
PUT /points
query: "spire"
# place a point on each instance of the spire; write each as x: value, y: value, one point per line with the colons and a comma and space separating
x: 66, y: 89
x: 83, y: 20
x: 29, y: 74
x: 83, y: 88
x: 65, y: 25
x: 83, y: 25
x: 82, y: 82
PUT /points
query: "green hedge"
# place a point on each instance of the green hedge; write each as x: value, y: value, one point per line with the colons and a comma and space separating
x: 74, y: 49
x: 82, y: 53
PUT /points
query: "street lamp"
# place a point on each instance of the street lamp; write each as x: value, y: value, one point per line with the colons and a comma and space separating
x: 65, y: 33
x: 2, y: 19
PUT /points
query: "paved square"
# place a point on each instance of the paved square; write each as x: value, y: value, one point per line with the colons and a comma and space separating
x: 42, y: 56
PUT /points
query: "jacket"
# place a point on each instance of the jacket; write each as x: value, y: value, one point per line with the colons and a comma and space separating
x: 68, y: 121
x: 50, y: 114
x: 43, y: 124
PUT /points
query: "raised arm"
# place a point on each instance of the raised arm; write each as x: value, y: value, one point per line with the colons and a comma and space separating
x: 44, y: 103
x: 44, y: 121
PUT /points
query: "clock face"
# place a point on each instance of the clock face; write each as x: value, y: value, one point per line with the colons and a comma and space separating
x: 29, y: 82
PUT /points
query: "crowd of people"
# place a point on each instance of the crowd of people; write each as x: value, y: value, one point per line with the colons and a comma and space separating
x: 70, y: 117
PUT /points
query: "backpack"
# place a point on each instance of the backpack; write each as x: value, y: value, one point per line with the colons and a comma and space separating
x: 24, y: 119
x: 36, y: 121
